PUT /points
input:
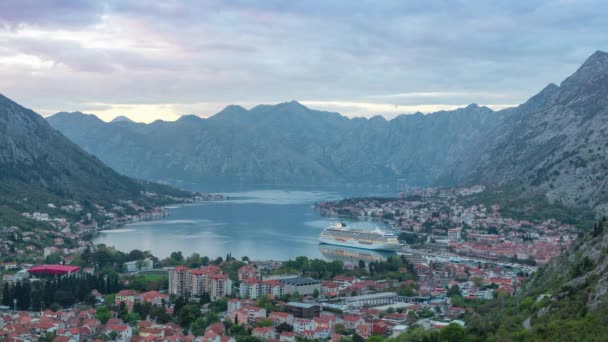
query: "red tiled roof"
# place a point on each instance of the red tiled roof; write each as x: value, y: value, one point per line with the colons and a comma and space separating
x: 53, y: 269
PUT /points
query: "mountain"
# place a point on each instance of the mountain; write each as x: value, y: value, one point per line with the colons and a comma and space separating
x: 564, y: 300
x: 555, y: 143
x: 121, y: 118
x: 286, y: 143
x: 552, y: 144
x: 40, y: 166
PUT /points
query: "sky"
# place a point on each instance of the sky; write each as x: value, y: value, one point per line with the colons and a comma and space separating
x: 152, y: 60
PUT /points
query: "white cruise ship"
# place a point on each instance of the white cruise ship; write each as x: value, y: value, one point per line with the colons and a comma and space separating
x: 377, y: 240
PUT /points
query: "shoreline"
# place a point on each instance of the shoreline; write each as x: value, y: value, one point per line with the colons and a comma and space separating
x: 165, y: 212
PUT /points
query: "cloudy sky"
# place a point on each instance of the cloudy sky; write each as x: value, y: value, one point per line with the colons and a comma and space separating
x: 158, y: 60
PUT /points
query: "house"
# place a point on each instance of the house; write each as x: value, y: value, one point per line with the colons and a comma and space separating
x: 345, y: 281
x: 247, y: 314
x: 316, y: 334
x: 330, y: 288
x: 139, y: 265
x: 352, y: 321
x: 265, y: 333
x: 236, y: 304
x: 301, y: 324
x: 324, y: 322
x: 364, y: 330
x: 9, y: 265
x: 128, y: 297
x: 380, y: 328
x: 287, y: 336
x: 217, y: 327
x: 154, y: 297
x: 280, y: 317
x: 123, y: 332
x: 249, y: 272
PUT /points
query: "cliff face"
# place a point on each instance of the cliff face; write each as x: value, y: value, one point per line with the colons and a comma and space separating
x: 573, y: 284
x: 555, y: 143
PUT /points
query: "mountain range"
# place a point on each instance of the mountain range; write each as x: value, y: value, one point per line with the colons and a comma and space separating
x: 286, y: 143
x: 39, y: 165
x: 553, y: 143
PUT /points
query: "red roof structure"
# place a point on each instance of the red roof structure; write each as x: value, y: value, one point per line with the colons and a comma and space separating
x: 53, y: 269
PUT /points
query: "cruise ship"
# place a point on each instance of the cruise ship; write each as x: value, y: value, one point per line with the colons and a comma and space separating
x: 377, y: 240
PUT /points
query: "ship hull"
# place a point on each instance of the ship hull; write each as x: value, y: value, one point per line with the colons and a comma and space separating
x: 356, y: 244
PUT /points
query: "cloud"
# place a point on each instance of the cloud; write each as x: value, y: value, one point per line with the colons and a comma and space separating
x: 360, y: 57
x: 51, y: 13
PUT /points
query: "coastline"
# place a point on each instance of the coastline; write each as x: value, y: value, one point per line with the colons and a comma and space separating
x: 158, y: 213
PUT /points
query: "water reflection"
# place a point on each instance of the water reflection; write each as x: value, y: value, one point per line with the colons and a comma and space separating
x: 352, y: 255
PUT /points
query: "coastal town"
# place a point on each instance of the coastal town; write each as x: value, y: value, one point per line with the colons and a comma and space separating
x: 437, y: 222
x: 456, y: 256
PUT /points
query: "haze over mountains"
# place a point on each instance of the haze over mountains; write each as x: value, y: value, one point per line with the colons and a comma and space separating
x: 555, y: 143
x: 283, y: 144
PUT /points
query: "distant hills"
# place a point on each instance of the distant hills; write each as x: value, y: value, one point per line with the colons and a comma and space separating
x: 554, y: 143
x: 38, y: 165
x: 284, y: 144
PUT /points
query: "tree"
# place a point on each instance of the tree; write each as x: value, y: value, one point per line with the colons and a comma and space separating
x: 263, y: 323
x: 177, y: 256
x: 123, y: 310
x: 205, y: 299
x: 315, y: 293
x: 219, y: 305
x: 47, y: 337
x: 375, y: 339
x: 103, y: 314
x: 284, y: 327
x: 188, y: 314
x: 341, y: 329
x: 452, y: 333
x: 454, y: 291
x: 132, y: 317
x: 198, y: 327
x: 358, y: 338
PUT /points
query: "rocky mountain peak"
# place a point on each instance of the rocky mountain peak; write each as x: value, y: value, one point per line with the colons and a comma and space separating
x: 291, y: 106
x: 596, y: 66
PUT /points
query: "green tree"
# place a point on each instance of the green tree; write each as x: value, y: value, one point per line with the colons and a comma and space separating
x: 132, y: 317
x: 199, y: 326
x: 284, y: 327
x: 103, y: 314
x: 264, y: 323
x: 454, y: 291
x: 375, y: 339
x: 452, y: 333
x: 357, y: 338
x: 188, y: 314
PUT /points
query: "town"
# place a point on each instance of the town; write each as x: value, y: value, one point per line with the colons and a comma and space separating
x: 58, y: 285
x: 437, y: 221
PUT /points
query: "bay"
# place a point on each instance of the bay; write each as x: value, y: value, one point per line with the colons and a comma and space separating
x: 261, y: 223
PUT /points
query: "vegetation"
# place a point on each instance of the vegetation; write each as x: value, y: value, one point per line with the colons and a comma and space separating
x: 62, y: 291
x: 517, y: 204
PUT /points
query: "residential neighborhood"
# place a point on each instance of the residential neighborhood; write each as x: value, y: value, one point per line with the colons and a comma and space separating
x: 459, y: 255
